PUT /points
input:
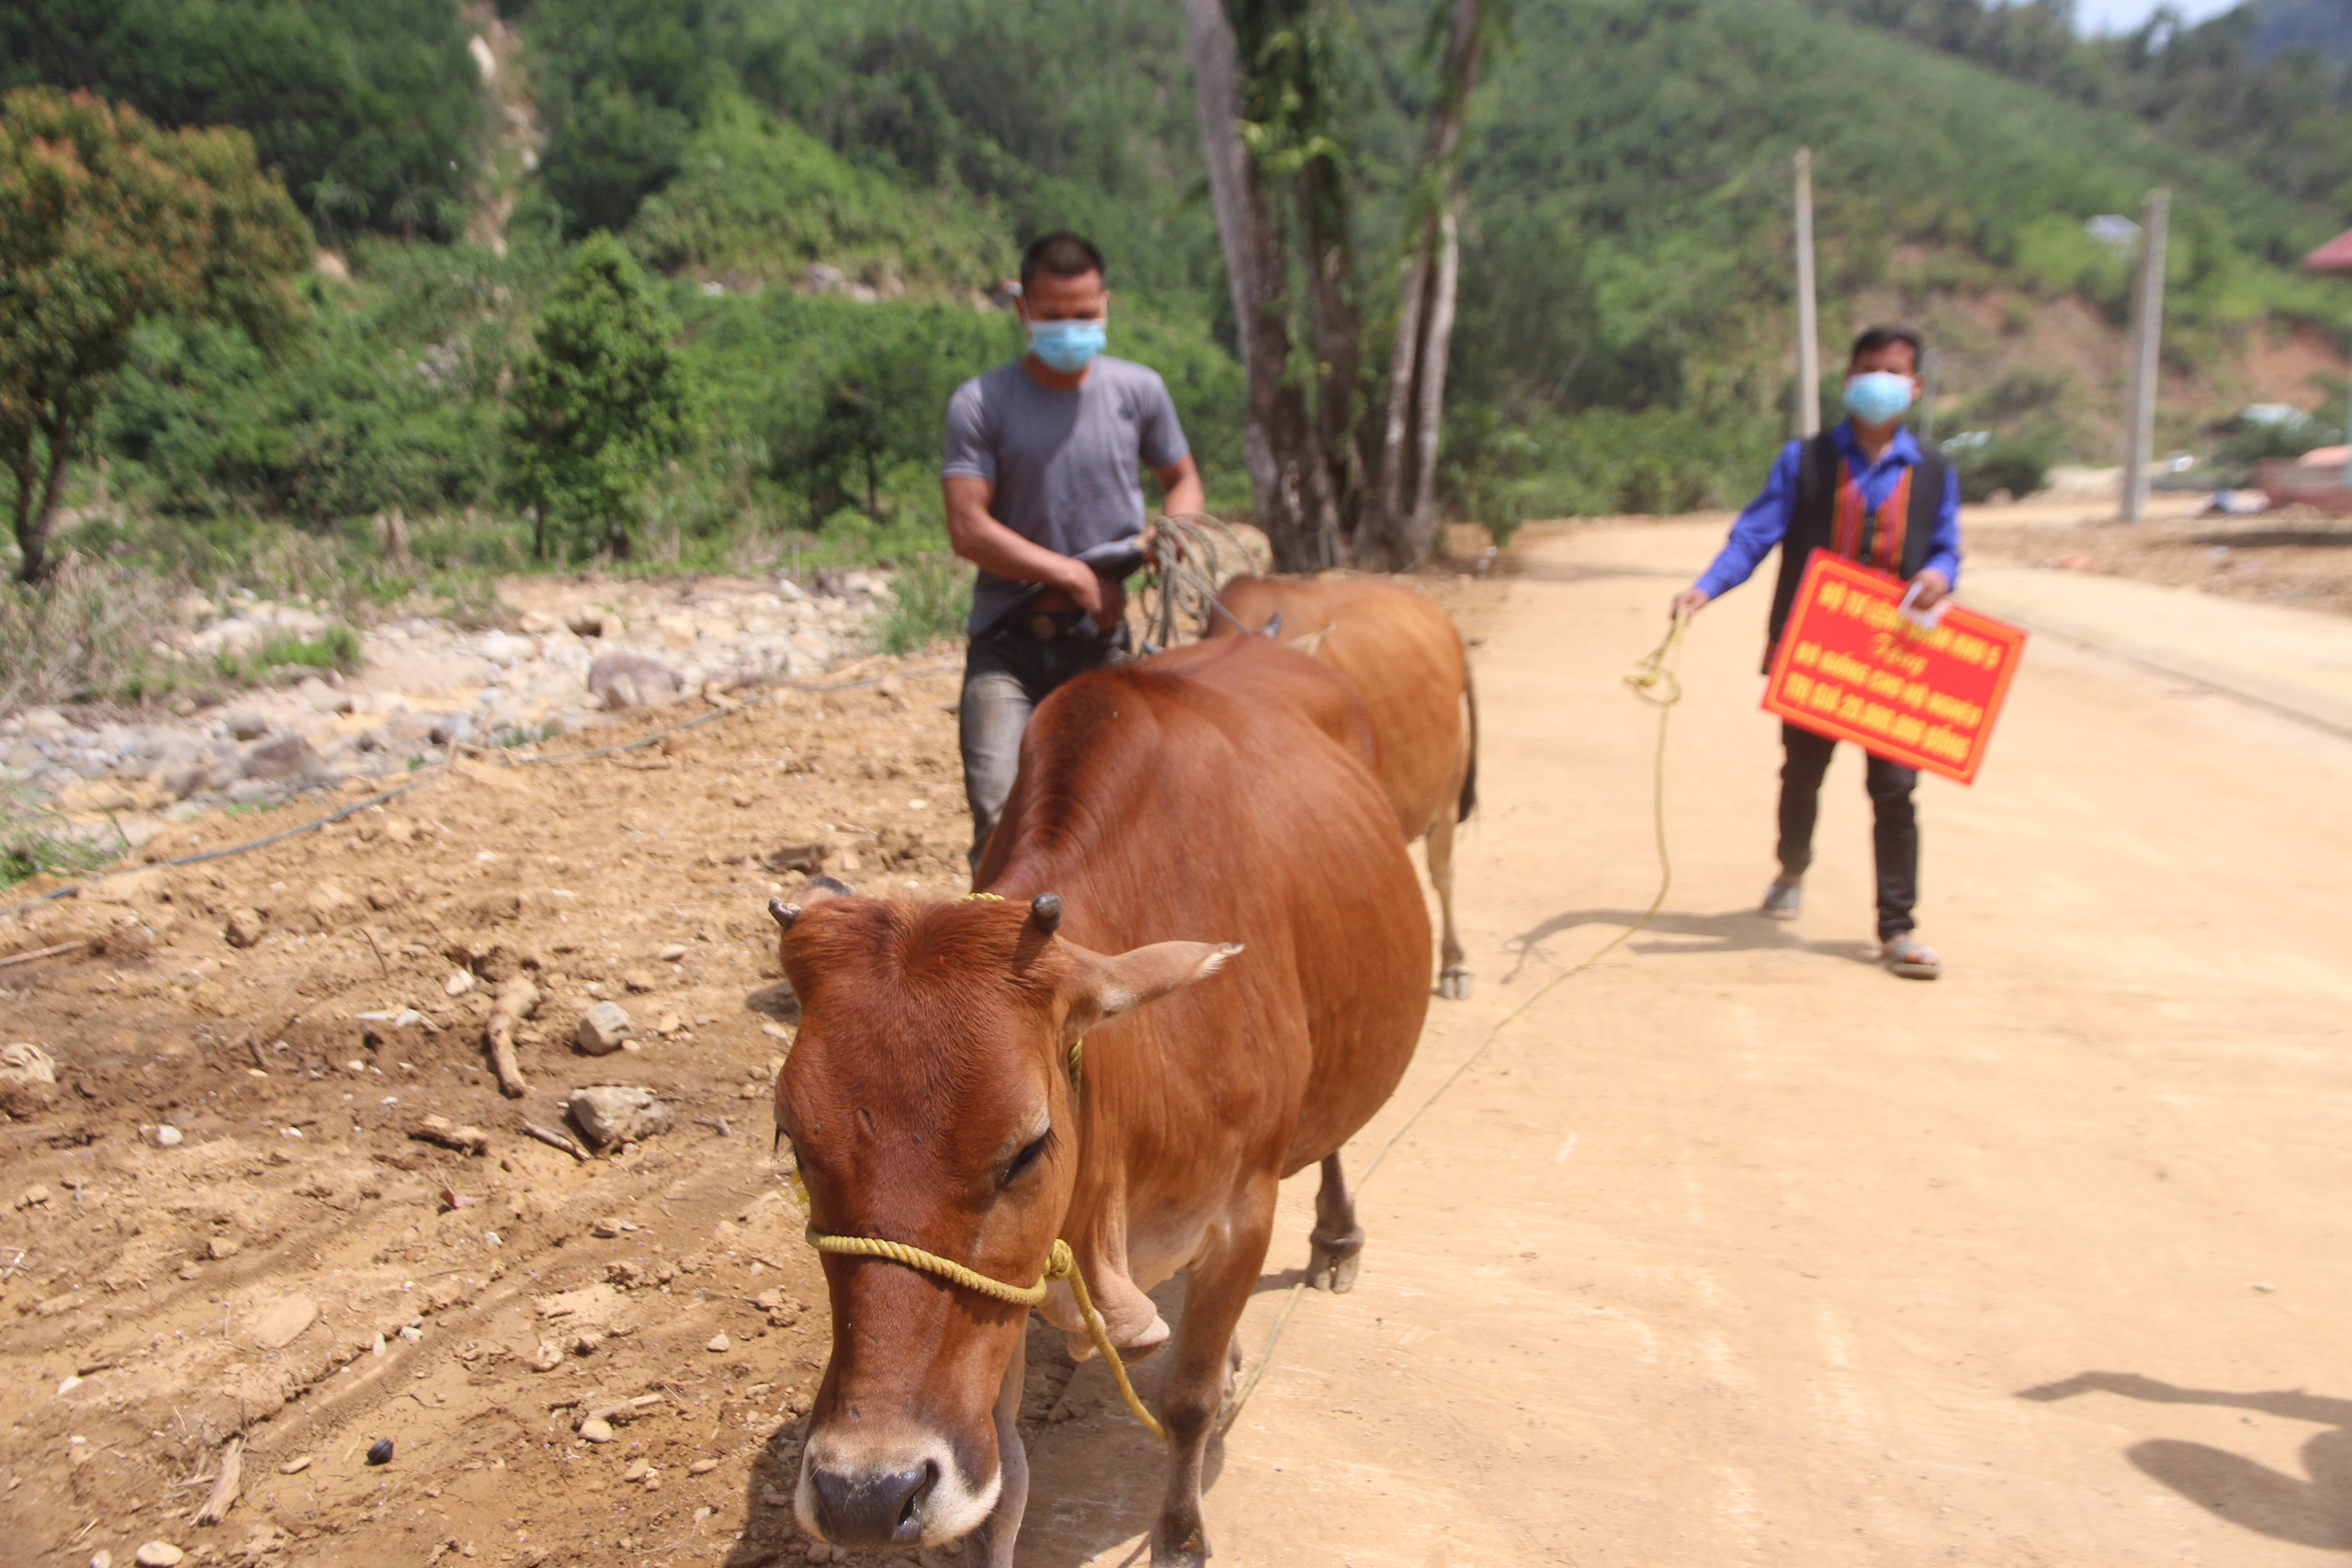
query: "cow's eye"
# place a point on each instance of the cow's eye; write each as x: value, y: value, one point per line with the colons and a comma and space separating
x: 1027, y: 1156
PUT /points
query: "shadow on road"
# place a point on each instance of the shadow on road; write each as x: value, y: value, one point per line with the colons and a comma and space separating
x: 1734, y: 930
x: 2316, y: 1512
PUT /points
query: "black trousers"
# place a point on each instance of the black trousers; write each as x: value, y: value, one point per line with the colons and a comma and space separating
x: 1895, y: 833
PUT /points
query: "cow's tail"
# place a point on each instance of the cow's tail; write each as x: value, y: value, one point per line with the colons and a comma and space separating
x: 1469, y: 775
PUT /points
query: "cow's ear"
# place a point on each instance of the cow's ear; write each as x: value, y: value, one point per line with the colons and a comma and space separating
x: 1110, y: 984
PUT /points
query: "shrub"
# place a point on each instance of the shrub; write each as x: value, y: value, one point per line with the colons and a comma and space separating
x: 90, y: 634
x: 2017, y: 464
x: 929, y: 600
x: 599, y: 405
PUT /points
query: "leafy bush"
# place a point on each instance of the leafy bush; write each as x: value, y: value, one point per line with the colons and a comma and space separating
x: 2020, y: 465
x: 598, y: 405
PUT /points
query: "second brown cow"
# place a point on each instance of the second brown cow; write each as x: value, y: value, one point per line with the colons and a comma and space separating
x: 1404, y: 656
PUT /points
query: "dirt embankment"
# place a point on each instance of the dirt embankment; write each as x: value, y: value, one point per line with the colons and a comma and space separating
x: 296, y: 1267
x: 217, y: 1221
x: 2296, y: 557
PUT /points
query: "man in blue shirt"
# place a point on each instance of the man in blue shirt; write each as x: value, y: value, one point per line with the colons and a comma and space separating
x: 1867, y: 491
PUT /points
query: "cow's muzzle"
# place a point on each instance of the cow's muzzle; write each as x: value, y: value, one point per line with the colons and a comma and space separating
x: 861, y: 1508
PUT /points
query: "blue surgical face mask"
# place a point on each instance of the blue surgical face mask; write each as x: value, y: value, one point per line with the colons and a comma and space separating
x: 1878, y: 396
x: 1067, y: 346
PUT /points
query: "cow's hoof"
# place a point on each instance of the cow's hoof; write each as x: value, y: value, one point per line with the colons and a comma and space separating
x: 1334, y: 1271
x: 1193, y: 1552
x: 1454, y: 986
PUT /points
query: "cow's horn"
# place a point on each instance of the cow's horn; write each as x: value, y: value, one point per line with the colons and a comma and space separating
x: 1273, y: 627
x: 1046, y: 909
x: 786, y: 914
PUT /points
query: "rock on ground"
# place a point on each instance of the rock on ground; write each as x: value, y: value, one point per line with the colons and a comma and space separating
x: 602, y: 1028
x: 616, y: 1114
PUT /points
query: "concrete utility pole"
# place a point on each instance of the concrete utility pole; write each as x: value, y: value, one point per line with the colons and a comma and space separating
x: 2147, y: 335
x: 1808, y: 332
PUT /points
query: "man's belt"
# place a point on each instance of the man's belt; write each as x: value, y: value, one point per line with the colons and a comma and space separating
x: 1045, y: 626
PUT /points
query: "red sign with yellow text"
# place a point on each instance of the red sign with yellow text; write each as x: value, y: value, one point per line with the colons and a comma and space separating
x: 1852, y: 666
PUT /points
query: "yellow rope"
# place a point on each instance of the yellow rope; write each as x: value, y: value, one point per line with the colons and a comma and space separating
x: 1062, y: 1264
x: 930, y: 1263
x: 1655, y: 679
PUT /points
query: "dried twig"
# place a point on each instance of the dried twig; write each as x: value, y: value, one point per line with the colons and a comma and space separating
x: 625, y: 1410
x: 554, y: 1139
x: 225, y: 1491
x: 441, y: 1130
x: 41, y: 953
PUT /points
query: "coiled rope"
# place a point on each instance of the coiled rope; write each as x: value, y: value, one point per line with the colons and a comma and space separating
x: 1191, y: 556
x: 1655, y: 679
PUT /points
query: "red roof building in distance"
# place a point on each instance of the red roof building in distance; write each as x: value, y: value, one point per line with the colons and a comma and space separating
x: 2334, y: 256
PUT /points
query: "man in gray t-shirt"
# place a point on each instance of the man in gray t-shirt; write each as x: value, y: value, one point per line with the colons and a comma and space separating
x: 1044, y: 496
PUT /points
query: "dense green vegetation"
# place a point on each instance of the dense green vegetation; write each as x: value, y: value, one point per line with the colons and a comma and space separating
x: 824, y: 192
x: 2260, y: 84
x: 369, y: 111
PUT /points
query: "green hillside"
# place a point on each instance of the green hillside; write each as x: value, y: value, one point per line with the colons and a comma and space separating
x: 1624, y: 332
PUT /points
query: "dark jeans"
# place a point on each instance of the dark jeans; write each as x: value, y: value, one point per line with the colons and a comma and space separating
x: 1007, y: 671
x: 1894, y: 835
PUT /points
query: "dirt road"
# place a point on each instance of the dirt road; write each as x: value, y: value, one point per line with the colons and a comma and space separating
x: 1738, y: 1250
x: 1732, y: 1249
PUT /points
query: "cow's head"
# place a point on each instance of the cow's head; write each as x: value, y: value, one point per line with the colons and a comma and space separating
x: 928, y: 1101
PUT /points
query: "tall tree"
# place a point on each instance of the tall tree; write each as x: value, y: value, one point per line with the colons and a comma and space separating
x: 106, y: 222
x: 599, y: 403
x: 1286, y: 469
x: 1402, y: 519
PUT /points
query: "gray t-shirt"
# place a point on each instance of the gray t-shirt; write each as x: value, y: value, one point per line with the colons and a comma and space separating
x: 1066, y: 466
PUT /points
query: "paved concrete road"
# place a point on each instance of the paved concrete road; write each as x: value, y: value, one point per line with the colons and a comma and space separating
x: 1738, y: 1250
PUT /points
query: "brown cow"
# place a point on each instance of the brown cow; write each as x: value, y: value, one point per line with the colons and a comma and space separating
x: 1220, y: 790
x: 1405, y: 656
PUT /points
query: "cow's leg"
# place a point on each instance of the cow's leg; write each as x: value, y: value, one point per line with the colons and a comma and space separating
x: 1453, y: 977
x: 1191, y: 1390
x: 1337, y: 1239
x: 990, y: 1546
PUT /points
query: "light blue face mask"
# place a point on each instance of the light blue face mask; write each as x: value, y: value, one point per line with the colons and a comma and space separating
x: 1877, y: 397
x: 1067, y: 347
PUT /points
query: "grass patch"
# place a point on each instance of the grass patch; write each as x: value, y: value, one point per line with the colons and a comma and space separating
x: 930, y: 598
x: 337, y: 647
x: 35, y: 839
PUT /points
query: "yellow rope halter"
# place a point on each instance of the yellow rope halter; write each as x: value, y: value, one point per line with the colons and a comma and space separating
x: 1062, y: 1264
